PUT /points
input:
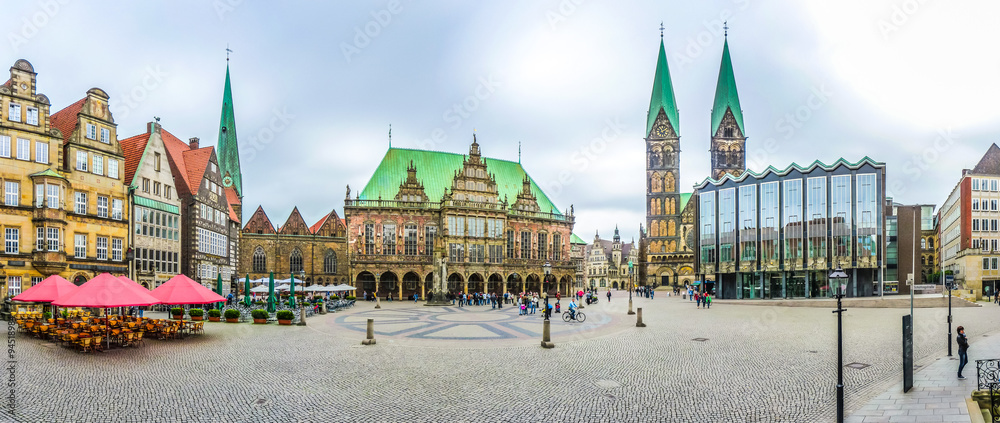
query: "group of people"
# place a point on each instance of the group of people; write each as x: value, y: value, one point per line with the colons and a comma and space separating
x: 700, y: 298
x: 644, y: 291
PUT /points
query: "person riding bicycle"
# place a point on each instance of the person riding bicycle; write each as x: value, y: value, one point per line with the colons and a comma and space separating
x: 572, y: 309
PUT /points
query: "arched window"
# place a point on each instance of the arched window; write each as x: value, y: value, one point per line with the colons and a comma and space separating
x: 930, y: 242
x: 923, y: 243
x: 330, y: 262
x: 259, y: 261
x: 295, y: 261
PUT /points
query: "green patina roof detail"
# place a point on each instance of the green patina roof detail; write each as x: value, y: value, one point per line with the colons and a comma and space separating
x: 685, y: 196
x: 436, y: 170
x: 227, y: 148
x: 725, y: 93
x: 575, y: 239
x: 663, y: 95
x: 804, y: 169
x: 47, y: 172
x: 158, y: 205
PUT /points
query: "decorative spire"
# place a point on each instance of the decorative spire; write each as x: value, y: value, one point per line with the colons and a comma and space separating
x: 726, y: 96
x: 519, y: 152
x: 725, y: 29
x: 662, y: 98
x: 390, y: 135
x: 661, y: 30
x: 228, y: 148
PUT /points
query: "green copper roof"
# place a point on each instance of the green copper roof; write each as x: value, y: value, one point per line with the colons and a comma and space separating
x: 575, y: 239
x: 436, y: 170
x: 663, y: 95
x: 685, y: 196
x: 804, y: 169
x: 725, y: 93
x: 158, y: 205
x: 227, y: 148
x: 47, y: 172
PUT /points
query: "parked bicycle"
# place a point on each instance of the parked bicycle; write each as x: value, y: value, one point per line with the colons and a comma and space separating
x: 580, y: 317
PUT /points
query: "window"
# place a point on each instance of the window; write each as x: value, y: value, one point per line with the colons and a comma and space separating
x: 975, y: 204
x: 145, y: 188
x: 13, y: 285
x: 295, y: 262
x: 91, y: 131
x: 456, y: 253
x: 23, y: 149
x: 116, y: 249
x: 35, y: 280
x: 32, y: 116
x: 156, y: 162
x: 41, y: 152
x: 81, y: 203
x: 81, y: 161
x: 212, y: 243
x: 556, y: 247
x: 98, y: 165
x: 53, y: 238
x: 4, y: 146
x: 410, y: 240
x: 53, y: 196
x: 429, y: 233
x: 993, y: 184
x: 113, y: 168
x: 156, y: 188
x: 102, y: 248
x: 105, y: 135
x: 477, y: 253
x: 80, y: 246
x: 102, y: 206
x: 12, y: 193
x: 388, y: 238
x: 923, y: 244
x: 975, y: 184
x: 330, y: 262
x: 511, y: 249
x: 993, y: 205
x: 166, y: 191
x: 543, y: 246
x: 12, y: 240
x: 525, y: 245
x: 40, y: 238
x: 259, y: 260
x: 116, y: 209
x: 14, y: 112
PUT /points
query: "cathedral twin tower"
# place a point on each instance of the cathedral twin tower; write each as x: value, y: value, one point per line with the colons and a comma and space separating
x: 665, y: 233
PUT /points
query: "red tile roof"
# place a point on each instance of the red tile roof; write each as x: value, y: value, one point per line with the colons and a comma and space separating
x: 232, y: 197
x: 315, y: 228
x: 66, y: 119
x: 196, y: 162
x: 175, y: 151
x: 133, y: 148
x: 7, y: 83
x: 232, y: 214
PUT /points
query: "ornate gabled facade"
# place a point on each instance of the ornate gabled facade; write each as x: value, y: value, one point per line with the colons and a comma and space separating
x: 728, y: 145
x: 607, y: 263
x: 466, y: 222
x: 316, y: 254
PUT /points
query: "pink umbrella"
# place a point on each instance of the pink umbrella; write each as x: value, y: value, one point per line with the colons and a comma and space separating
x: 106, y: 291
x: 46, y: 291
x: 182, y: 290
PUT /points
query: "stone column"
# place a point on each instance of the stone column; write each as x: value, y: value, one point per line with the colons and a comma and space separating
x: 439, y: 285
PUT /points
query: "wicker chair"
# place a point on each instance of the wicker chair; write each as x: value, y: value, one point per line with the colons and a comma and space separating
x: 137, y: 340
x: 85, y: 344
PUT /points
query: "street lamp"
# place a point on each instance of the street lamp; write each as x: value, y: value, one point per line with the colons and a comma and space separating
x: 302, y: 306
x: 377, y: 303
x: 548, y: 270
x: 839, y: 274
x: 949, y: 283
x: 631, y: 286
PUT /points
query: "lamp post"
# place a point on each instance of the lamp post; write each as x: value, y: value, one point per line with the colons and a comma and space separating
x: 548, y: 270
x: 302, y: 306
x: 631, y: 286
x: 949, y: 283
x: 839, y: 274
x: 377, y: 303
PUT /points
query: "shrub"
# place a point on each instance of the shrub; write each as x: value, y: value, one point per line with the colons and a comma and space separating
x: 349, y: 298
x: 47, y: 315
x: 232, y: 314
x: 196, y: 312
x: 317, y: 297
x: 65, y: 314
x: 259, y: 314
x: 177, y: 311
x: 334, y: 297
x: 285, y: 315
x: 216, y: 313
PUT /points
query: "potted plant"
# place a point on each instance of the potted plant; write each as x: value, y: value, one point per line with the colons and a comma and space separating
x: 259, y: 316
x: 197, y: 314
x: 232, y: 315
x: 349, y: 298
x: 285, y: 317
x: 214, y: 315
x: 334, y: 297
x: 65, y: 314
x: 177, y: 312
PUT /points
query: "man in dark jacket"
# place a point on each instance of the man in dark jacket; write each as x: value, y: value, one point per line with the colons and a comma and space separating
x: 963, y: 351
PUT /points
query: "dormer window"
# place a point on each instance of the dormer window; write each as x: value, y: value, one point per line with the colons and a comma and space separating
x: 105, y: 135
x: 14, y: 112
x: 91, y: 131
x: 32, y: 116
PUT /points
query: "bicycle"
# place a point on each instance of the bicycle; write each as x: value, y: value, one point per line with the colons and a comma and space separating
x: 580, y: 317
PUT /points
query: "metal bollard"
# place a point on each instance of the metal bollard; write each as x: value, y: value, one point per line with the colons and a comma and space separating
x: 546, y: 335
x: 371, y: 333
x: 638, y: 319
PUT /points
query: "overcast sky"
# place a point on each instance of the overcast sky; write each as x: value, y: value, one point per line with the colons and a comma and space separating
x: 910, y: 83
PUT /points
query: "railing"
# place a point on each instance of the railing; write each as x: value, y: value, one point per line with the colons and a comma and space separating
x: 427, y: 205
x: 542, y: 215
x: 391, y: 258
x: 392, y: 204
x: 466, y: 204
x: 987, y: 373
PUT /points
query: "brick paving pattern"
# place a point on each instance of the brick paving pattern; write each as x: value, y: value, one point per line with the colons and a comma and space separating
x: 758, y: 363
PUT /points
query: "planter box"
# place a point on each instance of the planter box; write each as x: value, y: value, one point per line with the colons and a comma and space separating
x: 259, y: 321
x: 236, y: 320
x: 178, y: 317
x: 197, y: 318
x: 213, y: 319
x: 284, y: 322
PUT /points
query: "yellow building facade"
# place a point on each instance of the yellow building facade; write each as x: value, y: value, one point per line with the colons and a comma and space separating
x: 65, y: 205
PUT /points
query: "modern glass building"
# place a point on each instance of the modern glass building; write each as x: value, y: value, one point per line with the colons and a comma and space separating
x: 780, y: 233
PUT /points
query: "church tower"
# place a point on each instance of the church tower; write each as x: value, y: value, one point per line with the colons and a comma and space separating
x: 728, y: 149
x: 663, y: 201
x: 228, y: 149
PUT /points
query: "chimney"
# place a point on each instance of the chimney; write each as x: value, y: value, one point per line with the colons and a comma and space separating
x: 194, y: 143
x: 966, y: 172
x: 152, y: 127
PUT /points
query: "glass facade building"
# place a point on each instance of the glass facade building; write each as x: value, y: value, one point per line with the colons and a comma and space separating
x: 780, y: 233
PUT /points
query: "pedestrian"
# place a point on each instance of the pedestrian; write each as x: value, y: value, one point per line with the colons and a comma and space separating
x: 609, y: 295
x: 697, y: 299
x: 651, y: 294
x: 963, y: 351
x: 416, y: 297
x: 708, y: 300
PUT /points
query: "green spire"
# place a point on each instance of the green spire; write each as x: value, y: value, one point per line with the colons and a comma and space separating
x: 228, y: 149
x: 725, y: 93
x: 663, y: 95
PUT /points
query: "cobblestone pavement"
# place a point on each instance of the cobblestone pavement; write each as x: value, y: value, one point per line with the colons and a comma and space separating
x: 756, y: 363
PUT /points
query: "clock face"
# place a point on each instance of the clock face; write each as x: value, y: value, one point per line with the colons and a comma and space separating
x: 660, y: 130
x: 24, y: 86
x: 227, y: 181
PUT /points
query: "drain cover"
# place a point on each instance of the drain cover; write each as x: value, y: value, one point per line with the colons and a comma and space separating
x: 700, y: 339
x: 857, y: 365
x: 607, y: 384
x: 260, y: 401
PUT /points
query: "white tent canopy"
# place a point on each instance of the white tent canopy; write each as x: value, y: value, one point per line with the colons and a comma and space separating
x: 316, y: 288
x: 262, y: 288
x: 342, y: 287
